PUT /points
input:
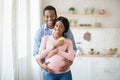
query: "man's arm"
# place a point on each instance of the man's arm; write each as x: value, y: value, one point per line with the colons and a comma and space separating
x: 68, y: 63
x: 70, y: 36
x: 37, y: 42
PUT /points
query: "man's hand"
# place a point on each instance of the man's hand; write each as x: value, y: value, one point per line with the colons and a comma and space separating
x: 67, y: 64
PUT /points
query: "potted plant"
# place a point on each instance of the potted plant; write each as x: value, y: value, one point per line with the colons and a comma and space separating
x: 71, y: 10
x: 92, y: 10
x: 86, y: 10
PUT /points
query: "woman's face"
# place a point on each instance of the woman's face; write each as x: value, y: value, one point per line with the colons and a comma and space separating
x: 59, y: 28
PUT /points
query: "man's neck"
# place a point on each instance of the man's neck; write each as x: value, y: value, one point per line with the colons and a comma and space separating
x: 50, y: 27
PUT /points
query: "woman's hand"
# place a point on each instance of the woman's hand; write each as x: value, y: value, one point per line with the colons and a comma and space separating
x: 45, y: 66
x: 58, y: 43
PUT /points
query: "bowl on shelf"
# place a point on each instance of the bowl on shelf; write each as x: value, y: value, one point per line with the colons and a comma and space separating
x: 110, y: 51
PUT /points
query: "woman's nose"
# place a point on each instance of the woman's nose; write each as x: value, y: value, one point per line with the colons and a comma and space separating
x: 58, y: 28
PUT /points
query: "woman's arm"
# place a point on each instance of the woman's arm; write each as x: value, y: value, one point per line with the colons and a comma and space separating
x: 42, y: 54
x: 70, y: 54
x: 43, y: 51
x: 52, y: 53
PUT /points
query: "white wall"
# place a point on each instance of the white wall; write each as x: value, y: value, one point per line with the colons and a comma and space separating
x: 101, y: 38
x: 106, y: 37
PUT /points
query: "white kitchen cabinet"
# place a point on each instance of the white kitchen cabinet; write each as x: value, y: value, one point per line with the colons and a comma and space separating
x: 118, y: 68
x: 96, y: 68
x: 104, y: 68
x: 81, y: 69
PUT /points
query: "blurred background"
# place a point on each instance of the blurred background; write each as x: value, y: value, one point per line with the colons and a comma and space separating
x: 98, y: 19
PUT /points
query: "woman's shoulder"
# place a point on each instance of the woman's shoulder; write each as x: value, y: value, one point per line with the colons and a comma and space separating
x: 47, y: 37
x: 68, y: 40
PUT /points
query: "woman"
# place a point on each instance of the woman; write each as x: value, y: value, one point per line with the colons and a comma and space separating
x: 64, y: 51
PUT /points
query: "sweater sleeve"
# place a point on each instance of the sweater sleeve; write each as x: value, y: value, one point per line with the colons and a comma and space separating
x: 70, y: 54
x: 43, y: 51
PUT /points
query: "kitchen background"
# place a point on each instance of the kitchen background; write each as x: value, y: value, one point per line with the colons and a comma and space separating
x: 19, y: 20
x: 104, y: 37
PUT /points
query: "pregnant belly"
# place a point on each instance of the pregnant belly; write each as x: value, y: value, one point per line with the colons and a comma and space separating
x: 56, y: 62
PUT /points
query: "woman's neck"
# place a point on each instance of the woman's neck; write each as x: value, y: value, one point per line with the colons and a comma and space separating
x: 57, y: 36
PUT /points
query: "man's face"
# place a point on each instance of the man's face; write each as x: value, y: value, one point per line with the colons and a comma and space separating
x: 49, y: 17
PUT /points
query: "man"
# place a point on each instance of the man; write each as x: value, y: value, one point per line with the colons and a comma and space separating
x: 50, y: 14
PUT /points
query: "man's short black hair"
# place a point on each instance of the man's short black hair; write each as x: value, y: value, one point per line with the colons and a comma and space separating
x: 49, y: 7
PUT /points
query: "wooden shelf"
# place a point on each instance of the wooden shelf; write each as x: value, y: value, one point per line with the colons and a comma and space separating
x: 89, y: 55
x: 99, y: 55
x: 78, y: 15
x: 85, y: 15
x: 84, y: 27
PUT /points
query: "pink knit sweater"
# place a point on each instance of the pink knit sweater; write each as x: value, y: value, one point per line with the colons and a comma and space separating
x: 56, y: 61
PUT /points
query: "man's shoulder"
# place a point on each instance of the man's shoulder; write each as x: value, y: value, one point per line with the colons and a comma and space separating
x: 68, y: 33
x: 44, y: 26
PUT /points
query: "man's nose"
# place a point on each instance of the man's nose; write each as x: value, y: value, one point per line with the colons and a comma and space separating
x: 49, y: 18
